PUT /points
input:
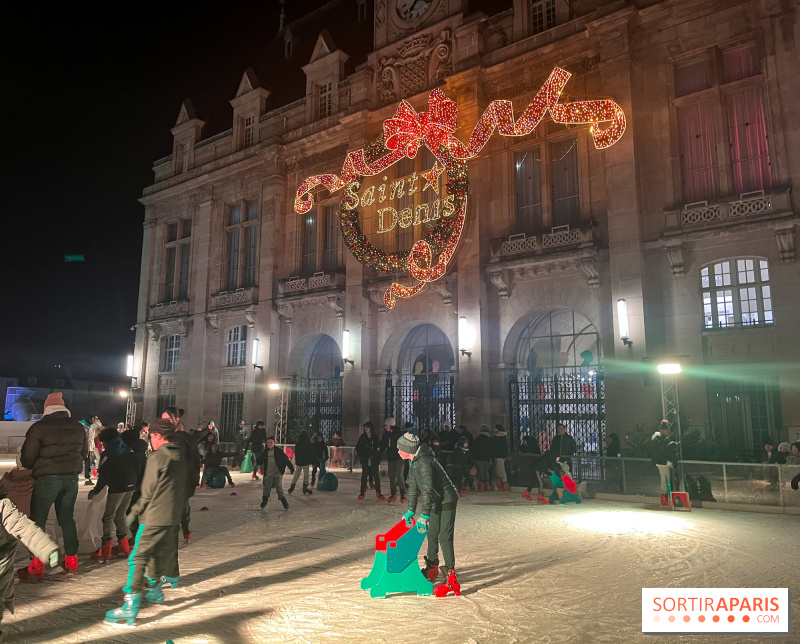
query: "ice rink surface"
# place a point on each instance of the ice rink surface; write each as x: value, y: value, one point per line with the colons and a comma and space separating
x: 529, y: 573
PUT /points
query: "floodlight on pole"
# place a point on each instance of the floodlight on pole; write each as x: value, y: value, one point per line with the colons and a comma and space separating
x: 255, y: 356
x: 669, y: 368
x: 624, y: 327
x: 466, y: 336
x: 274, y: 386
x: 346, y: 347
x: 129, y: 367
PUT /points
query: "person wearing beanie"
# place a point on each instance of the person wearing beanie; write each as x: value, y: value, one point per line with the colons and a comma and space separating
x: 395, y: 463
x: 463, y: 466
x: 483, y: 451
x: 500, y: 456
x: 55, y: 449
x: 428, y: 482
x: 369, y: 455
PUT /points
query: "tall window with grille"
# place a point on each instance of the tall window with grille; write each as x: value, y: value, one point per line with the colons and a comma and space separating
x: 736, y: 293
x: 325, y: 97
x: 164, y: 402
x: 248, y: 131
x: 177, y: 255
x: 172, y: 352
x: 547, y: 186
x: 236, y: 346
x: 330, y: 253
x: 242, y: 244
x: 308, y: 263
x: 542, y: 15
x: 230, y: 414
x: 728, y: 86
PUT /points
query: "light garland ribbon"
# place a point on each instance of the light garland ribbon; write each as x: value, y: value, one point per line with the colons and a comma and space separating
x: 404, y: 133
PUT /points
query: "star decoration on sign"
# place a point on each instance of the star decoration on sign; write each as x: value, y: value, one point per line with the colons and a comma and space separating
x: 432, y: 177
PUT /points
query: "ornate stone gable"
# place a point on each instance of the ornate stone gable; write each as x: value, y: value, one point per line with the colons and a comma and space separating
x: 421, y: 62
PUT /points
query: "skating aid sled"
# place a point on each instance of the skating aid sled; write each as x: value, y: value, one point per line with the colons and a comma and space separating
x: 564, y: 489
x: 396, y: 568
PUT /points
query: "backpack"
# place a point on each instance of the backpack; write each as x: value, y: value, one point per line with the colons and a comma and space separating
x: 328, y: 482
x: 218, y: 481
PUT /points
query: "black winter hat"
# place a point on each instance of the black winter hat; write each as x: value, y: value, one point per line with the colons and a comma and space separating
x: 370, y: 425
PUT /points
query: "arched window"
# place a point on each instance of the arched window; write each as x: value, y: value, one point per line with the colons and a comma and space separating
x: 237, y: 346
x: 736, y: 293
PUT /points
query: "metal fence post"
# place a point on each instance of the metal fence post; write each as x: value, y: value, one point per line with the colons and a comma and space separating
x: 780, y: 485
x: 624, y: 477
x: 725, y: 480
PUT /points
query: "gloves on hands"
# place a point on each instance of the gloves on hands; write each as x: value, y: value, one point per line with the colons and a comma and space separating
x: 408, y: 517
x: 129, y: 519
x: 53, y: 559
x: 422, y: 522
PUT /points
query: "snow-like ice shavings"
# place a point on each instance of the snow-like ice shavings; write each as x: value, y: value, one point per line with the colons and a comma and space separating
x: 632, y: 523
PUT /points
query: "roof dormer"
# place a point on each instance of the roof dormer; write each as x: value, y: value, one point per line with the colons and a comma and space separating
x: 248, y: 105
x: 185, y: 136
x: 324, y: 71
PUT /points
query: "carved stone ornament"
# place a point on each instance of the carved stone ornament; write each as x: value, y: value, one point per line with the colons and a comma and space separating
x: 589, y: 267
x: 376, y: 295
x: 213, y: 323
x: 333, y: 301
x: 250, y: 315
x: 784, y: 235
x: 182, y: 328
x: 499, y: 278
x: 674, y: 251
x: 155, y: 332
x: 441, y: 287
x: 380, y: 12
x: 286, y: 311
x: 421, y: 62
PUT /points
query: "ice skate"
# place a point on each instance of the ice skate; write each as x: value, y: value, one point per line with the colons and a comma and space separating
x: 306, y: 490
x: 255, y: 477
x: 291, y: 488
x: 392, y: 498
x: 505, y: 487
x: 172, y: 581
x: 451, y: 584
x: 71, y: 564
x: 127, y: 612
x: 103, y: 553
x: 526, y: 494
x: 35, y: 569
x: 371, y: 486
x: 285, y: 503
x: 402, y: 498
x: 499, y: 484
x: 264, y: 500
x: 154, y: 594
x: 361, y: 497
x: 380, y: 496
x: 664, y: 501
x: 541, y: 500
x: 187, y: 533
x: 124, y: 546
x: 431, y: 570
x: 231, y: 484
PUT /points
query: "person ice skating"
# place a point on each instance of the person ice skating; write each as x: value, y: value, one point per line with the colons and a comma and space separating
x: 239, y: 440
x: 368, y: 451
x: 213, y: 467
x: 118, y: 471
x: 188, y: 444
x: 665, y: 455
x: 55, y: 449
x: 154, y: 560
x: 395, y: 463
x: 794, y: 454
x: 258, y: 437
x: 138, y: 446
x: 535, y: 466
x: 463, y: 467
x: 303, y: 458
x: 19, y: 487
x: 320, y: 450
x: 93, y: 427
x: 563, y: 446
x: 483, y: 451
x: 500, y: 455
x: 428, y: 480
x: 338, y: 452
x: 15, y: 526
x: 274, y: 463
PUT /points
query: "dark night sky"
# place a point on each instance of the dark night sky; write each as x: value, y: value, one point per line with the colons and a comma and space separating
x: 88, y: 102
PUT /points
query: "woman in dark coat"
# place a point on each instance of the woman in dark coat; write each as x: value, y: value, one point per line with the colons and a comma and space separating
x: 320, y: 450
x: 303, y: 458
x: 368, y: 450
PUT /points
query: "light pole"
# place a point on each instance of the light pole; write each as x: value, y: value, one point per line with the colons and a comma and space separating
x: 670, y: 406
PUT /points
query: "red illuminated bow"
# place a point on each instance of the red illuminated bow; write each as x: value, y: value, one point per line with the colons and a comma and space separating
x: 407, y: 129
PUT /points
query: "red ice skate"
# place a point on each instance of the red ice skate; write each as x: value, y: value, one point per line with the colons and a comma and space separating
x: 254, y: 477
x: 104, y: 553
x: 124, y: 546
x: 431, y: 570
x: 451, y: 584
x: 35, y: 568
x: 392, y: 498
x: 664, y: 501
x: 71, y: 564
x: 526, y: 494
x: 361, y: 497
x: 541, y: 500
x: 380, y: 496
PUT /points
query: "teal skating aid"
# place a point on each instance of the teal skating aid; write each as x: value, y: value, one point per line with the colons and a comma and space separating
x: 396, y: 568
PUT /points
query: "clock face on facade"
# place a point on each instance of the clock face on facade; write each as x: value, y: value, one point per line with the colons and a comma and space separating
x: 412, y: 9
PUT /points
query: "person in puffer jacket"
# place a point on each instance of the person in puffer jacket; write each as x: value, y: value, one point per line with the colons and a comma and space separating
x: 15, y: 526
x: 118, y: 471
x: 212, y: 465
x: 460, y: 471
x: 483, y: 451
x: 19, y: 487
x: 500, y: 455
x: 428, y: 480
x: 304, y: 457
x: 159, y: 510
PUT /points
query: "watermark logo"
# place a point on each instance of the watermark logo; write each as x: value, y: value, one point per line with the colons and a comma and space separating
x: 715, y: 610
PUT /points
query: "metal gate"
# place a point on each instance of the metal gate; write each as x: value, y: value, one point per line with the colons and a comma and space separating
x: 572, y: 396
x: 320, y: 399
x: 427, y: 400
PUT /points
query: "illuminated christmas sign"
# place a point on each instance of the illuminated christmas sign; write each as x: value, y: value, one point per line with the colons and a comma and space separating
x: 444, y: 217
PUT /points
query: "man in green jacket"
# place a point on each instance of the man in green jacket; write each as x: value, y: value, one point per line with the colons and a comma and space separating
x: 427, y: 478
x: 159, y: 510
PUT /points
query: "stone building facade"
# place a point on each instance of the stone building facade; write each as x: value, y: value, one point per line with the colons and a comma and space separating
x: 689, y: 219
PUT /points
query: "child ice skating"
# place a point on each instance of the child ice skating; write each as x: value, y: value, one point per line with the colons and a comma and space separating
x: 154, y: 560
x: 428, y: 479
x: 274, y: 463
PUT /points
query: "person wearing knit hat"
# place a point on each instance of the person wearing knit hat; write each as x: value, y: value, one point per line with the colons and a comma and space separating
x: 428, y: 481
x: 389, y: 447
x: 55, y: 449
